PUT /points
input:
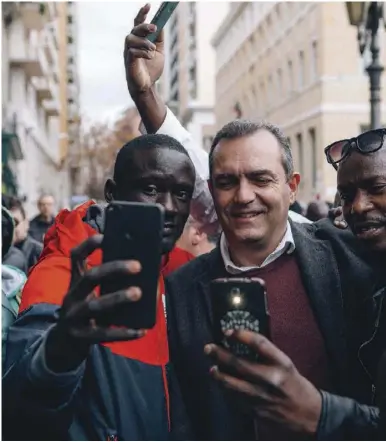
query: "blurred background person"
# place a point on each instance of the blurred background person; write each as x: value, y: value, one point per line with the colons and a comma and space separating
x: 317, y: 210
x: 22, y: 240
x: 195, y: 240
x: 44, y: 220
x: 11, y: 256
x: 297, y: 208
x: 12, y: 279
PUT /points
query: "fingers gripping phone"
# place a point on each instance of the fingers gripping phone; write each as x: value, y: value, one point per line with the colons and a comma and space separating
x: 161, y: 17
x: 134, y: 231
x: 239, y: 304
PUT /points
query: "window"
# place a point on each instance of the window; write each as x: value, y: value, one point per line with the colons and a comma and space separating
x: 290, y: 77
x: 314, y: 157
x: 261, y: 98
x: 299, y: 141
x: 70, y: 40
x: 70, y: 60
x: 279, y: 83
x: 192, y: 82
x: 301, y: 69
x: 271, y: 91
x: 253, y: 98
x: 314, y: 60
x: 69, y: 19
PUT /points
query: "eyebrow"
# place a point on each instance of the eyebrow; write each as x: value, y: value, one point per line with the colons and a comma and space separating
x: 366, y: 180
x: 155, y: 177
x: 257, y: 172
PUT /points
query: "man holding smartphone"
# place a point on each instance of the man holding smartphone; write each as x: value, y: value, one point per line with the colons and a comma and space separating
x: 315, y: 390
x: 68, y: 374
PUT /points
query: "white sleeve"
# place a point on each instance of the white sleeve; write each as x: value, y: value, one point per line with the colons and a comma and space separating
x: 202, y: 204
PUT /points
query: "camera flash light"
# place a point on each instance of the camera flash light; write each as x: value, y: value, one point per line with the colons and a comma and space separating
x: 236, y: 300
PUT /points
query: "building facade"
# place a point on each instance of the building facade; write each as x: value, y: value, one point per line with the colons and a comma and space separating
x: 188, y: 80
x: 297, y: 65
x: 34, y: 101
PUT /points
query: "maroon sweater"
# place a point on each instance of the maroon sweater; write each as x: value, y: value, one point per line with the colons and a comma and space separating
x: 294, y: 329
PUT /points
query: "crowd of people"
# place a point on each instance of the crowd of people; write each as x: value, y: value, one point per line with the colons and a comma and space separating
x: 322, y: 372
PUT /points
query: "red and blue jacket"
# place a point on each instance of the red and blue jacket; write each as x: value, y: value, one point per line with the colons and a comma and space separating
x: 119, y: 393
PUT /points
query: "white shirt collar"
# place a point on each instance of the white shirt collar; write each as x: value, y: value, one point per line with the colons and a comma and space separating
x: 286, y: 245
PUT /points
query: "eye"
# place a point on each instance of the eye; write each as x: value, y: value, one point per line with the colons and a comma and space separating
x: 150, y: 190
x: 377, y: 189
x: 262, y: 181
x: 183, y: 195
x: 225, y: 183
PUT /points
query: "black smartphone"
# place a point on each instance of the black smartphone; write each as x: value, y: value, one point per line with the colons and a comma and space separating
x: 134, y: 231
x: 161, y: 17
x: 239, y: 304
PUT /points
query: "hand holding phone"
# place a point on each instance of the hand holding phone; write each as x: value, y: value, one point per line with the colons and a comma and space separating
x: 144, y: 55
x: 239, y: 304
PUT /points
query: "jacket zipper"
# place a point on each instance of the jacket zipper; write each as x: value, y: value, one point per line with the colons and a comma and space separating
x: 373, y: 389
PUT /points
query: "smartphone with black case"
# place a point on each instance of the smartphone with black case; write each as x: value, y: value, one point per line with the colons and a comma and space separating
x: 239, y: 304
x: 134, y: 231
x: 161, y: 17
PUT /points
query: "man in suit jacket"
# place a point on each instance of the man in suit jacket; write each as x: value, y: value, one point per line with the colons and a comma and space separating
x: 314, y: 381
x: 252, y: 188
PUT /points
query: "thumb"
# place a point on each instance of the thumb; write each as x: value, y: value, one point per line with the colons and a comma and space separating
x: 160, y: 42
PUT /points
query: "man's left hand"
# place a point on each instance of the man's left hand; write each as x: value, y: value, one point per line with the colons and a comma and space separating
x: 275, y: 389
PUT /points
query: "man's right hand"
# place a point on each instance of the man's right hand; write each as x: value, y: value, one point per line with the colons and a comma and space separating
x: 77, y: 328
x: 336, y: 215
x: 144, y: 60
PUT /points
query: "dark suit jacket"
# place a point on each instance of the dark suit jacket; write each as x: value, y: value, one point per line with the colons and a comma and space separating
x: 337, y: 281
x: 31, y: 249
x: 16, y: 258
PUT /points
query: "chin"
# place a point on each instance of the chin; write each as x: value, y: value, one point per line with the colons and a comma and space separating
x: 250, y: 235
x: 168, y: 245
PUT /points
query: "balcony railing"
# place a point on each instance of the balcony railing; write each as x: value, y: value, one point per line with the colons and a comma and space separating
x: 51, y: 107
x: 42, y: 88
x: 34, y: 15
x: 50, y: 49
x: 29, y: 56
x: 52, y: 10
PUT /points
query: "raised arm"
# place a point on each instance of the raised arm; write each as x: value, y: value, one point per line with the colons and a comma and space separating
x: 144, y: 64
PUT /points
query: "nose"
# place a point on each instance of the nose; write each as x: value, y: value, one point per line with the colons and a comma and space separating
x: 245, y: 193
x: 361, y: 203
x: 167, y: 201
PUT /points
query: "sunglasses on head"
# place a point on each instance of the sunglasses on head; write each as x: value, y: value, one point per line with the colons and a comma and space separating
x: 366, y: 143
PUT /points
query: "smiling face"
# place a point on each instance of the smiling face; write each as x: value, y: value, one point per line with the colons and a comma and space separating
x: 250, y: 189
x: 162, y: 176
x: 362, y: 189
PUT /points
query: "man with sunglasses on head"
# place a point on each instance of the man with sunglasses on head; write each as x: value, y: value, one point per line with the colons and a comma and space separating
x: 361, y: 178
